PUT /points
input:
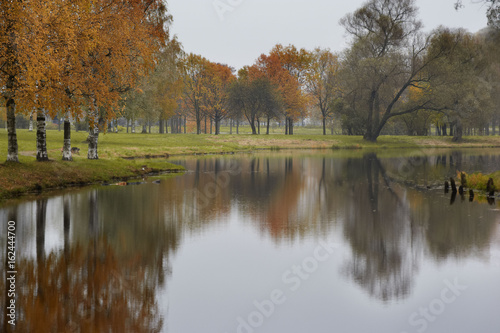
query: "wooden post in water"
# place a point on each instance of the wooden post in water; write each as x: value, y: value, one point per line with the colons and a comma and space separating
x: 453, y: 185
x: 471, y: 195
x: 490, y: 187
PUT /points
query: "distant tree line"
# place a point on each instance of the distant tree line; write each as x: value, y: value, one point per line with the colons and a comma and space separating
x: 393, y: 79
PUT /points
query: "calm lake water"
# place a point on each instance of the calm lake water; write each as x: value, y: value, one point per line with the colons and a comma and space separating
x: 270, y: 242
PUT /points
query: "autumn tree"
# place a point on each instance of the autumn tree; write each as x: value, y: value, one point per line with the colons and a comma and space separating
x: 387, y: 57
x: 296, y: 63
x: 193, y: 69
x: 254, y: 95
x: 129, y: 36
x: 13, y: 36
x: 269, y: 97
x: 491, y: 75
x: 169, y: 84
x: 57, y: 55
x: 156, y: 95
x: 288, y: 85
x: 215, y: 97
x: 456, y: 83
x: 80, y: 41
x: 54, y: 39
x: 206, y: 89
x: 35, y: 38
x: 242, y: 98
x: 321, y: 82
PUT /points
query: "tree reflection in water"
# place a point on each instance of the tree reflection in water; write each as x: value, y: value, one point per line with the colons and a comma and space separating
x: 88, y: 286
x: 117, y: 241
x: 388, y: 220
x: 390, y: 226
x: 92, y: 292
x: 379, y: 229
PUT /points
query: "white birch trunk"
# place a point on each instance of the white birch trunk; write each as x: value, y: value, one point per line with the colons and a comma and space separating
x: 93, y: 133
x: 10, y: 125
x: 67, y: 141
x: 41, y: 137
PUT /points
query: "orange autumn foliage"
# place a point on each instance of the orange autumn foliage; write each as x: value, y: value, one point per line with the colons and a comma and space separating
x: 68, y: 55
x: 286, y: 67
x: 216, y: 80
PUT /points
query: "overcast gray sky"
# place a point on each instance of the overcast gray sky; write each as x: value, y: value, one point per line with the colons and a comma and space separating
x: 237, y: 32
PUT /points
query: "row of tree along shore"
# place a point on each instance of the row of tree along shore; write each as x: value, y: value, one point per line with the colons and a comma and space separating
x: 75, y: 59
x: 107, y: 60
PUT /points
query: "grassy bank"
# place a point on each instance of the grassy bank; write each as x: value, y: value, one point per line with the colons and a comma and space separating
x: 479, y: 181
x: 31, y: 176
x: 128, y: 155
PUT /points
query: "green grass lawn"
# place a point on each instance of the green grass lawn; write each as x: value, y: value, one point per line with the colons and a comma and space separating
x: 117, y: 145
